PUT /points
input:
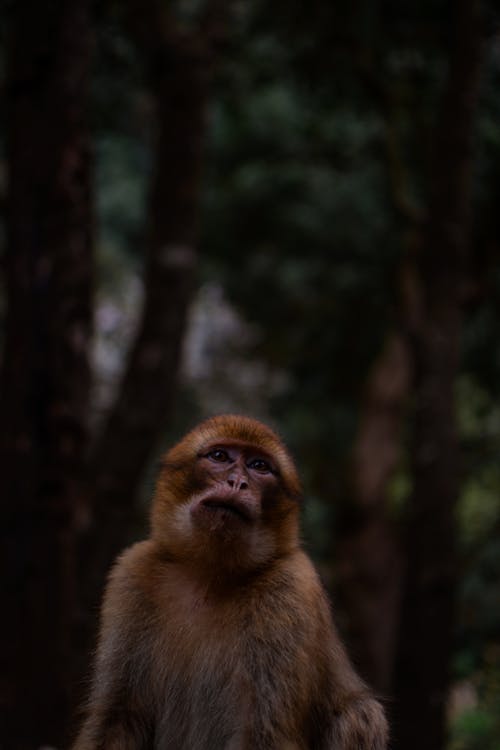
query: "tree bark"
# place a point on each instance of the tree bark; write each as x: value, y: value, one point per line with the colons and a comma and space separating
x: 178, y: 76
x: 177, y: 79
x: 44, y: 383
x: 368, y: 565
x: 426, y: 630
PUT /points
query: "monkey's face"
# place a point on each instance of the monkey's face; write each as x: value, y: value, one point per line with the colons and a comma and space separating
x: 228, y: 494
x: 241, y: 486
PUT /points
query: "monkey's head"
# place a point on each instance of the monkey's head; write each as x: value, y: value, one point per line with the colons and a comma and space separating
x: 228, y: 493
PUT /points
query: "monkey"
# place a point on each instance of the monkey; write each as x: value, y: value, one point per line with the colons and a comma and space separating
x: 216, y: 633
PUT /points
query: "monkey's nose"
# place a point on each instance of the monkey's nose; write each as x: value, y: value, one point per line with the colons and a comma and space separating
x: 237, y: 482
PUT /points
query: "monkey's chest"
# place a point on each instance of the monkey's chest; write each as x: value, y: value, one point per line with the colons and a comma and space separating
x: 227, y: 684
x: 197, y: 708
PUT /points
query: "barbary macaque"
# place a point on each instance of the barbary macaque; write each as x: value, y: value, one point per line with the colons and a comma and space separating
x: 216, y: 633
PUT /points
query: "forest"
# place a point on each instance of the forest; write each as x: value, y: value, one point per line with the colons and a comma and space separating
x: 284, y: 210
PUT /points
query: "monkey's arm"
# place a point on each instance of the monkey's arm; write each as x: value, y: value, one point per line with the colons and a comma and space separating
x: 355, y: 720
x: 116, y: 719
x: 359, y: 724
x: 293, y: 644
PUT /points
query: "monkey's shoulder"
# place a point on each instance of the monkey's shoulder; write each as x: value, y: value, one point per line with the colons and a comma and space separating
x: 292, y: 584
x: 133, y: 561
x: 132, y: 575
x: 297, y: 572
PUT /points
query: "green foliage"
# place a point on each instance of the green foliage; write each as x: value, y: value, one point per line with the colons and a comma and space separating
x: 121, y: 179
x: 478, y: 624
x: 478, y: 727
x: 474, y: 730
x: 297, y: 184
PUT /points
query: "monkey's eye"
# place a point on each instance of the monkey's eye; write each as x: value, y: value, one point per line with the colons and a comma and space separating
x: 259, y: 464
x: 218, y: 455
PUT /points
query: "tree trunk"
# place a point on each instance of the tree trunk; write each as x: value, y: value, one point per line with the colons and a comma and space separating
x: 44, y: 381
x: 426, y: 631
x: 178, y: 67
x: 368, y: 568
x: 178, y: 82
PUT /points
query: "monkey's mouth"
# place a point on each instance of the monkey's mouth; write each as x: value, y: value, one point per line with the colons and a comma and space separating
x: 229, y: 508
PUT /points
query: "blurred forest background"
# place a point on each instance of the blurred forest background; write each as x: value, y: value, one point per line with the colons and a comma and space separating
x: 284, y: 209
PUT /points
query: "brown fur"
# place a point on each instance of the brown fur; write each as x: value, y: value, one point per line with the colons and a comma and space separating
x: 219, y: 636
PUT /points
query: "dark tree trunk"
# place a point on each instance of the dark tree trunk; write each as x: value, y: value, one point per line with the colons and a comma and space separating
x: 178, y: 68
x: 45, y: 375
x: 368, y: 568
x: 426, y: 631
x: 178, y: 83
